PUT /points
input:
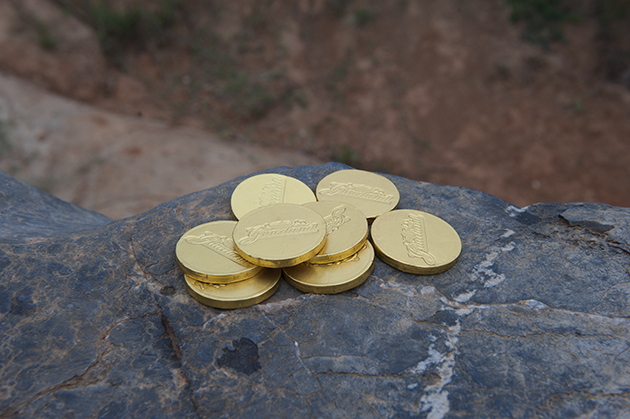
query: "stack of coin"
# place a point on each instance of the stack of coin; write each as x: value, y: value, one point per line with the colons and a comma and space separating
x: 215, y: 274
x: 319, y: 241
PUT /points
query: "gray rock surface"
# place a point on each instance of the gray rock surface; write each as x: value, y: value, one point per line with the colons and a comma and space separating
x: 531, y: 322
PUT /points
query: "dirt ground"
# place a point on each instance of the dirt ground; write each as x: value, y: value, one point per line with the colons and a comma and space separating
x: 115, y: 164
x: 444, y: 91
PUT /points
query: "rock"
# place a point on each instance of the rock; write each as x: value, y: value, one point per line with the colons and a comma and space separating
x: 531, y: 322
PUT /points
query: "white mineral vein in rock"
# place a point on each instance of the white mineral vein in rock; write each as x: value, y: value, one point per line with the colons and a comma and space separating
x: 512, y: 210
x: 463, y: 298
x: 466, y: 311
x: 405, y: 289
x: 435, y: 357
x: 212, y: 320
x: 483, y: 269
x: 299, y: 356
x: 507, y: 233
x: 435, y: 400
x: 536, y: 304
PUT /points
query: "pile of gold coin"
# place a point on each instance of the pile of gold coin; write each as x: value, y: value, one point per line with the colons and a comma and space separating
x: 317, y: 241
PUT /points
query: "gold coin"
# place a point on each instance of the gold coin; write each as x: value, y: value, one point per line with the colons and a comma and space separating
x: 371, y: 193
x: 334, y: 277
x: 237, y: 295
x: 346, y: 230
x: 207, y: 253
x: 280, y: 235
x: 268, y: 189
x: 416, y: 242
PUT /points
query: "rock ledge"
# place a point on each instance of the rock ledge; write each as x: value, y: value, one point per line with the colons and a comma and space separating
x: 531, y: 322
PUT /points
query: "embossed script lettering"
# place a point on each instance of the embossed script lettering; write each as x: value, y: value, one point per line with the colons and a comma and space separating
x: 220, y: 244
x: 357, y: 190
x: 273, y: 192
x: 279, y: 228
x: 335, y: 219
x: 414, y: 236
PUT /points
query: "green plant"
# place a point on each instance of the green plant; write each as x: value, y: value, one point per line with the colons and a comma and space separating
x: 612, y: 39
x: 259, y: 19
x: 363, y: 16
x: 249, y: 95
x: 249, y: 99
x: 211, y: 56
x: 120, y: 28
x: 341, y: 70
x: 300, y: 97
x: 346, y: 155
x: 44, y: 37
x: 115, y: 28
x: 611, y: 11
x: 338, y: 7
x: 543, y: 19
x: 337, y: 77
x: 167, y: 14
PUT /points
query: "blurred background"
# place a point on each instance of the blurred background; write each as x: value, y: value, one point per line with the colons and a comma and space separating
x: 120, y: 105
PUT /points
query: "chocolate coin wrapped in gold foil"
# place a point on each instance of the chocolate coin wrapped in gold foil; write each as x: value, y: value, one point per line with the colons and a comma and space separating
x: 236, y: 295
x: 207, y: 253
x: 371, y: 193
x: 415, y: 241
x: 279, y: 236
x: 346, y: 230
x: 334, y: 277
x: 268, y: 189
